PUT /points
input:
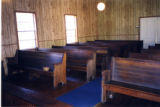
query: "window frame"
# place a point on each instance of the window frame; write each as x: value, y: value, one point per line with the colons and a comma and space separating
x: 76, y: 40
x: 36, y: 30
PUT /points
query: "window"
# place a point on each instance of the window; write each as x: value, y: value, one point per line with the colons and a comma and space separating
x: 26, y: 28
x: 71, y: 28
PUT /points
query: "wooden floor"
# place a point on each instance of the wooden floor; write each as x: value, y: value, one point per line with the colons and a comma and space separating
x: 45, y: 86
x: 127, y: 101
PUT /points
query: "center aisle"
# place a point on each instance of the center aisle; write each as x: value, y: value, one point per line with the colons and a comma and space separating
x: 85, y: 96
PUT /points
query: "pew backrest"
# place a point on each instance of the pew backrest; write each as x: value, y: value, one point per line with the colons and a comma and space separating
x: 154, y: 47
x: 157, y: 45
x: 151, y: 51
x: 38, y: 60
x: 140, y: 56
x: 138, y: 72
x: 145, y: 56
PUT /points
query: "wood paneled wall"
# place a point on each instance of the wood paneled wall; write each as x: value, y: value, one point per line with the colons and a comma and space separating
x: 50, y: 21
x: 118, y: 21
x: 120, y: 18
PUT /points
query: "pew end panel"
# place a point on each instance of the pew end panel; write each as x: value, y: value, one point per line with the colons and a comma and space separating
x: 105, y: 77
x: 91, y: 68
x: 60, y: 72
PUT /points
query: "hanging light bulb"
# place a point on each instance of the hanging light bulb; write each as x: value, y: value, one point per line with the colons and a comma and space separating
x: 100, y: 6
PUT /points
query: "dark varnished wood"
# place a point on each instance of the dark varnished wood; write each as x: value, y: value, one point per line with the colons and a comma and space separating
x: 28, y: 95
x: 101, y: 53
x: 145, y: 56
x: 77, y: 59
x: 157, y: 45
x: 34, y: 62
x: 42, y: 85
x: 121, y: 100
x: 154, y: 47
x: 119, y: 48
x: 14, y: 95
x: 81, y: 60
x: 151, y: 51
x: 134, y: 44
x: 133, y: 77
x: 39, y: 59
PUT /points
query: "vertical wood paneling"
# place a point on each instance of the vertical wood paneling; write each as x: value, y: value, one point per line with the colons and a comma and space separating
x: 119, y: 20
x: 50, y: 21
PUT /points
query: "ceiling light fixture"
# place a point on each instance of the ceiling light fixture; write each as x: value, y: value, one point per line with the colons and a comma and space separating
x: 100, y: 6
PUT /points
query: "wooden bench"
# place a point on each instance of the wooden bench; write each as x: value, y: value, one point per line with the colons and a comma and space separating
x: 117, y: 48
x: 145, y: 56
x: 102, y: 55
x: 126, y: 46
x: 133, y: 77
x: 113, y: 48
x: 154, y: 47
x: 82, y: 60
x: 13, y: 95
x: 135, y: 45
x: 78, y: 60
x: 44, y: 63
x: 157, y: 45
x: 151, y: 51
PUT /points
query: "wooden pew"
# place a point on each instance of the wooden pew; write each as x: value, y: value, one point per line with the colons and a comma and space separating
x: 151, y: 51
x: 114, y: 48
x: 134, y: 44
x: 111, y: 50
x: 133, y: 77
x: 43, y: 63
x: 125, y: 45
x: 154, y: 47
x: 102, y: 55
x: 119, y: 48
x: 78, y: 60
x: 157, y: 45
x: 145, y: 56
x: 13, y: 95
